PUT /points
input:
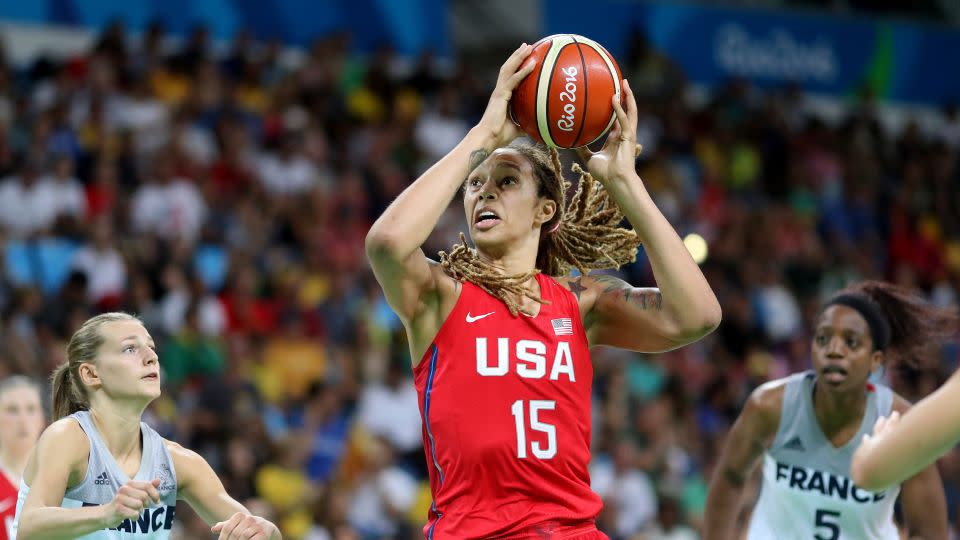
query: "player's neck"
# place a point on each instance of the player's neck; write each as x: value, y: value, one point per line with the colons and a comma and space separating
x: 120, y: 431
x: 838, y: 410
x: 519, y: 259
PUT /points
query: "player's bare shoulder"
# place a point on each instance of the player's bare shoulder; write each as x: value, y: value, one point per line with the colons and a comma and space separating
x: 180, y: 454
x: 66, y: 442
x: 67, y: 438
x: 186, y: 463
x: 765, y: 405
x: 586, y: 288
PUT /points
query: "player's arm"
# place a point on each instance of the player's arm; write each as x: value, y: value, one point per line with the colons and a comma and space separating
x: 59, y: 460
x: 646, y: 319
x: 199, y: 486
x: 683, y: 308
x: 745, y: 444
x: 921, y: 436
x: 922, y: 498
x: 393, y: 242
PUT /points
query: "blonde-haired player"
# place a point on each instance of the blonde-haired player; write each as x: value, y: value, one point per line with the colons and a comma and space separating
x: 98, y: 472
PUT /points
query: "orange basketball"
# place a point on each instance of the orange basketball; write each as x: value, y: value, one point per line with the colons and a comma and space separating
x: 566, y: 99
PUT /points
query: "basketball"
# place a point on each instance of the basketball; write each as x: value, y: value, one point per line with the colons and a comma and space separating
x: 566, y: 100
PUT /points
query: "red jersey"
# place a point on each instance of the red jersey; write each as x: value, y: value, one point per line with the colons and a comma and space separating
x: 505, y: 403
x: 8, y: 506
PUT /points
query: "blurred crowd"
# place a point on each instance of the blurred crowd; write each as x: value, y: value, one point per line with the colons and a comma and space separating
x: 223, y: 194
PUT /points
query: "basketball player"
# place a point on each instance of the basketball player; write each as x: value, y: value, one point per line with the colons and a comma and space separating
x: 500, y: 334
x: 21, y: 421
x: 807, y: 426
x: 901, y: 447
x: 98, y: 472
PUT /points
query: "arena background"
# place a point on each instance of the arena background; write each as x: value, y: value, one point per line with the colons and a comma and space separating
x: 213, y: 167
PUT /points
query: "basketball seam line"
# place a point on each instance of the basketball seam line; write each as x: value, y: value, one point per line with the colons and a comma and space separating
x: 583, y: 113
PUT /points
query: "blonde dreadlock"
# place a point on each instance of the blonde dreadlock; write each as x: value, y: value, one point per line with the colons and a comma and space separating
x: 585, y: 234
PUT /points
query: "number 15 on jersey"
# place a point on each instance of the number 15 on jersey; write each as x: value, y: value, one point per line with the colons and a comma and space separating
x: 535, y: 406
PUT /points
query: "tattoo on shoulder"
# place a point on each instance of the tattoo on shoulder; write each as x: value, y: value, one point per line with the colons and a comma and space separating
x: 476, y: 158
x: 576, y: 287
x: 610, y: 283
x: 643, y: 298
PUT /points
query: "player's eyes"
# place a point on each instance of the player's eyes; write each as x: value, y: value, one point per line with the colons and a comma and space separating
x: 821, y: 340
x: 509, y: 180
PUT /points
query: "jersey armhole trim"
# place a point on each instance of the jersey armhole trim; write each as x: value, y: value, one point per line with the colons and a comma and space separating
x: 446, y: 321
x: 86, y: 474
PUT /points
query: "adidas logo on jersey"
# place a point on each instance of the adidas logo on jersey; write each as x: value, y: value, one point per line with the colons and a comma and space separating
x: 102, y: 480
x: 795, y: 444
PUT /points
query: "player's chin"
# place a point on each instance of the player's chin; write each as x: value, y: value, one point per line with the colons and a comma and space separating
x: 487, y: 239
x: 149, y: 389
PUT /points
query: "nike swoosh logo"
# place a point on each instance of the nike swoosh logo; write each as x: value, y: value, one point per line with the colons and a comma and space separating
x: 7, y: 504
x: 478, y: 317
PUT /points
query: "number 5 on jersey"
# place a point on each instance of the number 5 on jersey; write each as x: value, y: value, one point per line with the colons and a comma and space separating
x: 827, y: 519
x: 536, y: 405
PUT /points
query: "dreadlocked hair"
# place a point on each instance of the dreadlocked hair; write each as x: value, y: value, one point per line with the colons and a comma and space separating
x: 585, y: 234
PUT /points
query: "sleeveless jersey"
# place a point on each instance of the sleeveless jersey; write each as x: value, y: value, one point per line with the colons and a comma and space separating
x: 807, y: 491
x: 104, y: 478
x: 8, y: 506
x: 505, y: 403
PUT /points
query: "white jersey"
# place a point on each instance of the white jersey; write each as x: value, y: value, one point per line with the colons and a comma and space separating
x: 807, y: 492
x: 104, y: 478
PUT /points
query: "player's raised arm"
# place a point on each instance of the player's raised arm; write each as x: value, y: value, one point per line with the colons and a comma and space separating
x: 745, y: 444
x: 684, y: 309
x: 200, y: 487
x: 393, y: 243
x: 899, y: 449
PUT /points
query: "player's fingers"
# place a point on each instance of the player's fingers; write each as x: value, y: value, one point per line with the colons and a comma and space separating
x: 637, y: 150
x: 584, y: 153
x: 613, y: 138
x: 227, y: 527
x: 631, y: 102
x: 892, y: 421
x: 520, y: 74
x: 626, y: 131
x: 142, y: 494
x: 246, y: 528
x: 132, y: 503
x: 248, y: 532
x: 153, y: 492
x: 878, y: 425
x: 513, y: 62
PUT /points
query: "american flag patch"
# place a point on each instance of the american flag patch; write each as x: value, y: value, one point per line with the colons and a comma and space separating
x: 562, y: 327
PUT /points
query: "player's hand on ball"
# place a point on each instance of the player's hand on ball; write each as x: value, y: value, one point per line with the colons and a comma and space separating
x: 243, y: 526
x: 496, y: 119
x: 130, y: 501
x: 616, y: 161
